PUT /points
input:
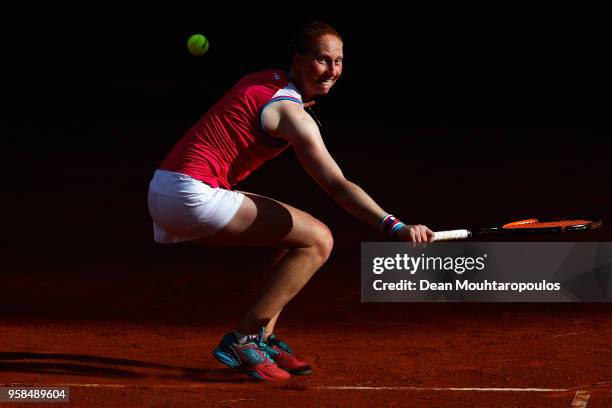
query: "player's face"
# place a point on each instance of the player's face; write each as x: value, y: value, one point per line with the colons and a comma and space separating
x: 318, y: 70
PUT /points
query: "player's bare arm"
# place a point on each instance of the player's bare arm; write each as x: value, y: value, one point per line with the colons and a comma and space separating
x: 289, y: 121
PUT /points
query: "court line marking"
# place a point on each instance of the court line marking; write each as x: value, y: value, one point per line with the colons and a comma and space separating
x: 325, y: 387
x: 446, y: 389
x: 581, y: 399
x: 566, y: 334
x: 236, y: 400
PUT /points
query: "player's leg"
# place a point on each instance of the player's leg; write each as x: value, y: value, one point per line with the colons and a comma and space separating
x: 305, y: 244
x: 261, y: 221
x: 272, y: 323
x: 278, y: 349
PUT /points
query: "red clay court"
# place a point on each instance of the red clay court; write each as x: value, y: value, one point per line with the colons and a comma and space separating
x: 448, y: 121
x: 96, y: 306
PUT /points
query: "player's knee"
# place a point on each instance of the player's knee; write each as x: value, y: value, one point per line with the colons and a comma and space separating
x: 323, y: 242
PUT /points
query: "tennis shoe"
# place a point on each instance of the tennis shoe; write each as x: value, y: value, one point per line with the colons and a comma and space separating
x: 283, y: 355
x: 250, y: 357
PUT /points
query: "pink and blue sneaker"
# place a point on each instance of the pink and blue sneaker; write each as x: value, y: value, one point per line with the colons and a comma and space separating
x: 250, y: 356
x: 282, y: 354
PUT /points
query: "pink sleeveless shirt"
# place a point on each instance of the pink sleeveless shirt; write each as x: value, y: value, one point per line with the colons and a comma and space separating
x: 228, y: 142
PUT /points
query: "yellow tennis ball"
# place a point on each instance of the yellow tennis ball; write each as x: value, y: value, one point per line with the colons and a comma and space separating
x: 197, y: 45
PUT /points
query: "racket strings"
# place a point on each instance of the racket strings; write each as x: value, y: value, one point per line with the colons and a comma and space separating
x: 535, y: 223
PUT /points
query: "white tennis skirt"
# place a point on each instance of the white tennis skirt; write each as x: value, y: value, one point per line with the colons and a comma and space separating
x: 186, y: 209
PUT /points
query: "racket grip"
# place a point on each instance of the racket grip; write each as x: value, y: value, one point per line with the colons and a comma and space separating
x: 452, y: 234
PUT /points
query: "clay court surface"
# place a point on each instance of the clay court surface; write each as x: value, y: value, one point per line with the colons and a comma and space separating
x: 90, y: 302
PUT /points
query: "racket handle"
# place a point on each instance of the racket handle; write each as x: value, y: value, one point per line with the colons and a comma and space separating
x: 452, y: 234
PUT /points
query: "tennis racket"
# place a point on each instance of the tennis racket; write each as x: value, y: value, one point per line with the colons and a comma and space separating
x: 530, y: 226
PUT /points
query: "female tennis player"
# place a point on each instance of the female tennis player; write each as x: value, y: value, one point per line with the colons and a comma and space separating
x: 191, y: 197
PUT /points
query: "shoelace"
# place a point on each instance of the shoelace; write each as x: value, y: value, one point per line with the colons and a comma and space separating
x: 266, y: 348
x: 261, y: 345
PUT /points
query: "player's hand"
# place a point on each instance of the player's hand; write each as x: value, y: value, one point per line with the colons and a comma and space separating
x: 415, y: 233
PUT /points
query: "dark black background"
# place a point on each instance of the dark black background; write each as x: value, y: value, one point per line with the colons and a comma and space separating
x: 447, y: 115
x: 410, y: 68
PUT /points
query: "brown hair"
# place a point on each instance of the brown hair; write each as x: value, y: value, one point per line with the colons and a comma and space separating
x: 304, y: 39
